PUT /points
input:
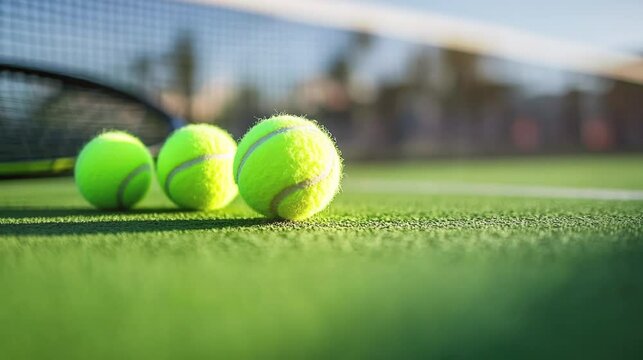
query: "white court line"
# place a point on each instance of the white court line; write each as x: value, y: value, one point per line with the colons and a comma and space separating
x: 375, y: 186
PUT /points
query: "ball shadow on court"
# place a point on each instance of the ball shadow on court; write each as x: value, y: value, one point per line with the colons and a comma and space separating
x: 46, y: 221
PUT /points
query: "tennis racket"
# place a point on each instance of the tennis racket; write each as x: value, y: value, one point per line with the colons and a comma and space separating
x: 48, y: 114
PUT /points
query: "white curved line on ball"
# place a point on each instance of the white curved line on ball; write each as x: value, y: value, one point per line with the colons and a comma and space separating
x: 265, y: 138
x: 186, y: 164
x: 122, y: 187
x: 276, y: 201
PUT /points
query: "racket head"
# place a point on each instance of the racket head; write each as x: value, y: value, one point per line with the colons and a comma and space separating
x: 47, y: 115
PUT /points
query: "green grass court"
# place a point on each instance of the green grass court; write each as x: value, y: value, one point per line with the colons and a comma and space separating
x: 377, y: 275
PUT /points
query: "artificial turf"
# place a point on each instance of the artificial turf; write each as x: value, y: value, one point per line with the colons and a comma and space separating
x: 377, y: 275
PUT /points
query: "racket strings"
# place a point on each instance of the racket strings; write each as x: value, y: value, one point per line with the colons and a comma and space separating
x: 45, y: 118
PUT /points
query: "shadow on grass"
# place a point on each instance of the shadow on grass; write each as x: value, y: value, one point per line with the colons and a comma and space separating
x: 38, y: 212
x: 126, y: 225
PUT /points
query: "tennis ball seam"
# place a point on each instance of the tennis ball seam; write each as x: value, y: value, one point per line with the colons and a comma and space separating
x: 122, y: 187
x: 265, y: 138
x: 192, y: 162
x: 302, y: 185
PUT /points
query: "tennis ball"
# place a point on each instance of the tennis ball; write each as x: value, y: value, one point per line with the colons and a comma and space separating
x: 287, y: 167
x: 195, y: 167
x: 114, y: 170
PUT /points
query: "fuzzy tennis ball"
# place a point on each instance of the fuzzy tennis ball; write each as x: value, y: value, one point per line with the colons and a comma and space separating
x: 194, y: 167
x: 114, y: 170
x: 287, y: 167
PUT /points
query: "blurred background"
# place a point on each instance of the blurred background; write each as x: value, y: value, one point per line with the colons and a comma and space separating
x: 389, y: 79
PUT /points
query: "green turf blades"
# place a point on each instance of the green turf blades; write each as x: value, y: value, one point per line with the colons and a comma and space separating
x: 398, y: 275
x: 195, y: 167
x: 287, y: 167
x: 114, y: 171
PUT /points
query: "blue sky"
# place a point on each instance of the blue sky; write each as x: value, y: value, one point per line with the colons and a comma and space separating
x: 616, y: 24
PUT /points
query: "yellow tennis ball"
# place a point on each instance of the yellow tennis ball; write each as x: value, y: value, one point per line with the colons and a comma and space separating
x: 114, y: 170
x: 287, y: 167
x: 194, y: 167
